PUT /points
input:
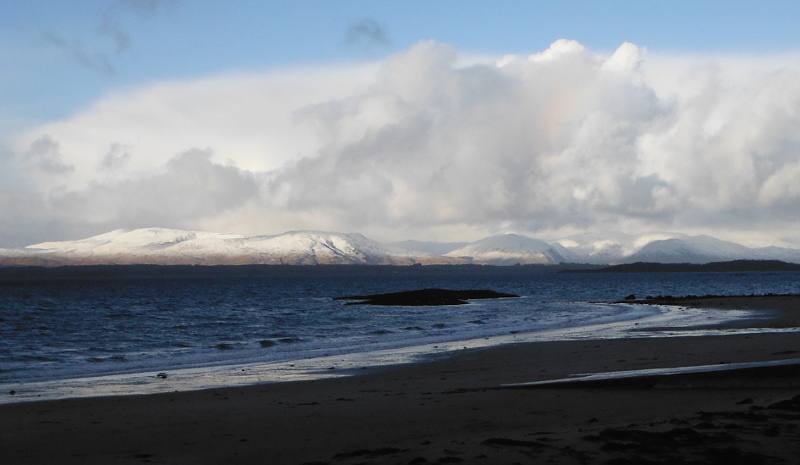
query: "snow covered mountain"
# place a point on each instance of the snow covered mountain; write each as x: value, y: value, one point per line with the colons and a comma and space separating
x: 664, y: 247
x: 175, y: 247
x: 777, y: 253
x: 510, y: 249
x: 705, y: 249
x: 172, y: 247
x: 604, y: 247
x: 696, y: 249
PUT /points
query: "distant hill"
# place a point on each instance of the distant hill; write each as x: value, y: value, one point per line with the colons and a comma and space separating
x: 510, y: 249
x: 706, y: 249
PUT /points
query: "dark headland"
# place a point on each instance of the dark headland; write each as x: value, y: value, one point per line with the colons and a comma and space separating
x: 712, y: 267
x: 425, y: 297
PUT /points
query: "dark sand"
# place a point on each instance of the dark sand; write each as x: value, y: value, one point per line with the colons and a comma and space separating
x: 452, y: 411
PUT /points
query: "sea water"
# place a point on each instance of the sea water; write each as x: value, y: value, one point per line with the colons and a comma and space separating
x: 71, y: 331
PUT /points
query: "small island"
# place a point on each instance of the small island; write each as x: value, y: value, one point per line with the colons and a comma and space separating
x: 420, y: 297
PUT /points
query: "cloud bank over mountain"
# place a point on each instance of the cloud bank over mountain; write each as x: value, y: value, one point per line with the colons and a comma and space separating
x: 429, y: 144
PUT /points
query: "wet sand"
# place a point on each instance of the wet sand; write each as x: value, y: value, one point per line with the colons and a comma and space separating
x: 453, y: 410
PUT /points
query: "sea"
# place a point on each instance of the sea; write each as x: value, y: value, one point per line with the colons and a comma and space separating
x: 111, y: 330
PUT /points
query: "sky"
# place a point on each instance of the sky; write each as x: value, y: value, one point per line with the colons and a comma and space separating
x: 428, y: 120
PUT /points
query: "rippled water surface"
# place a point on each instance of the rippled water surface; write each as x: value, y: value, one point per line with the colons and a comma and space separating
x: 67, y: 323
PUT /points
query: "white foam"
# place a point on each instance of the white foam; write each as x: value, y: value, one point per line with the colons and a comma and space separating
x: 623, y: 374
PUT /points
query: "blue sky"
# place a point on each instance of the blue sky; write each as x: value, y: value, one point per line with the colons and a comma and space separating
x: 104, y: 101
x: 61, y: 55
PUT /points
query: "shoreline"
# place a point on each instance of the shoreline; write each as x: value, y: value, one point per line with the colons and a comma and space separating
x: 450, y: 409
x: 678, y: 321
x: 778, y: 310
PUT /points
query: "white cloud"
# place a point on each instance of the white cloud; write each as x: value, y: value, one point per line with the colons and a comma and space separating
x: 245, y: 117
x: 429, y: 145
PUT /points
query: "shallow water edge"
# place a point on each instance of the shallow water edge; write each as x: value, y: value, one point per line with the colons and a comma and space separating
x: 663, y: 321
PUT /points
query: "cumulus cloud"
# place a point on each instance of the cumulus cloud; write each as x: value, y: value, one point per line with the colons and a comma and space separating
x: 189, y: 188
x: 540, y: 142
x: 426, y: 145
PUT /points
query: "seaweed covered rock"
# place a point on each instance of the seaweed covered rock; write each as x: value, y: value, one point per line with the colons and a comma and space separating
x: 425, y: 297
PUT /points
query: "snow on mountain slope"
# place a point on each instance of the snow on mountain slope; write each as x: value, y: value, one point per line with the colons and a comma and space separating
x: 149, y: 245
x: 777, y: 253
x: 509, y: 249
x: 144, y: 241
x: 172, y: 247
x: 596, y: 247
x: 603, y: 247
x: 314, y: 247
x: 691, y: 249
x: 169, y: 247
x: 664, y: 247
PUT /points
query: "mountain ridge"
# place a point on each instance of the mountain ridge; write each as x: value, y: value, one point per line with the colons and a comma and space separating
x: 162, y: 246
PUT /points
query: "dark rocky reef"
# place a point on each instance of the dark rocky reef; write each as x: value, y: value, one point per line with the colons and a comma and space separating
x: 692, y: 299
x: 425, y: 297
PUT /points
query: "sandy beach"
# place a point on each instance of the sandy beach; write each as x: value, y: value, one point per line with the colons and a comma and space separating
x: 456, y: 410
